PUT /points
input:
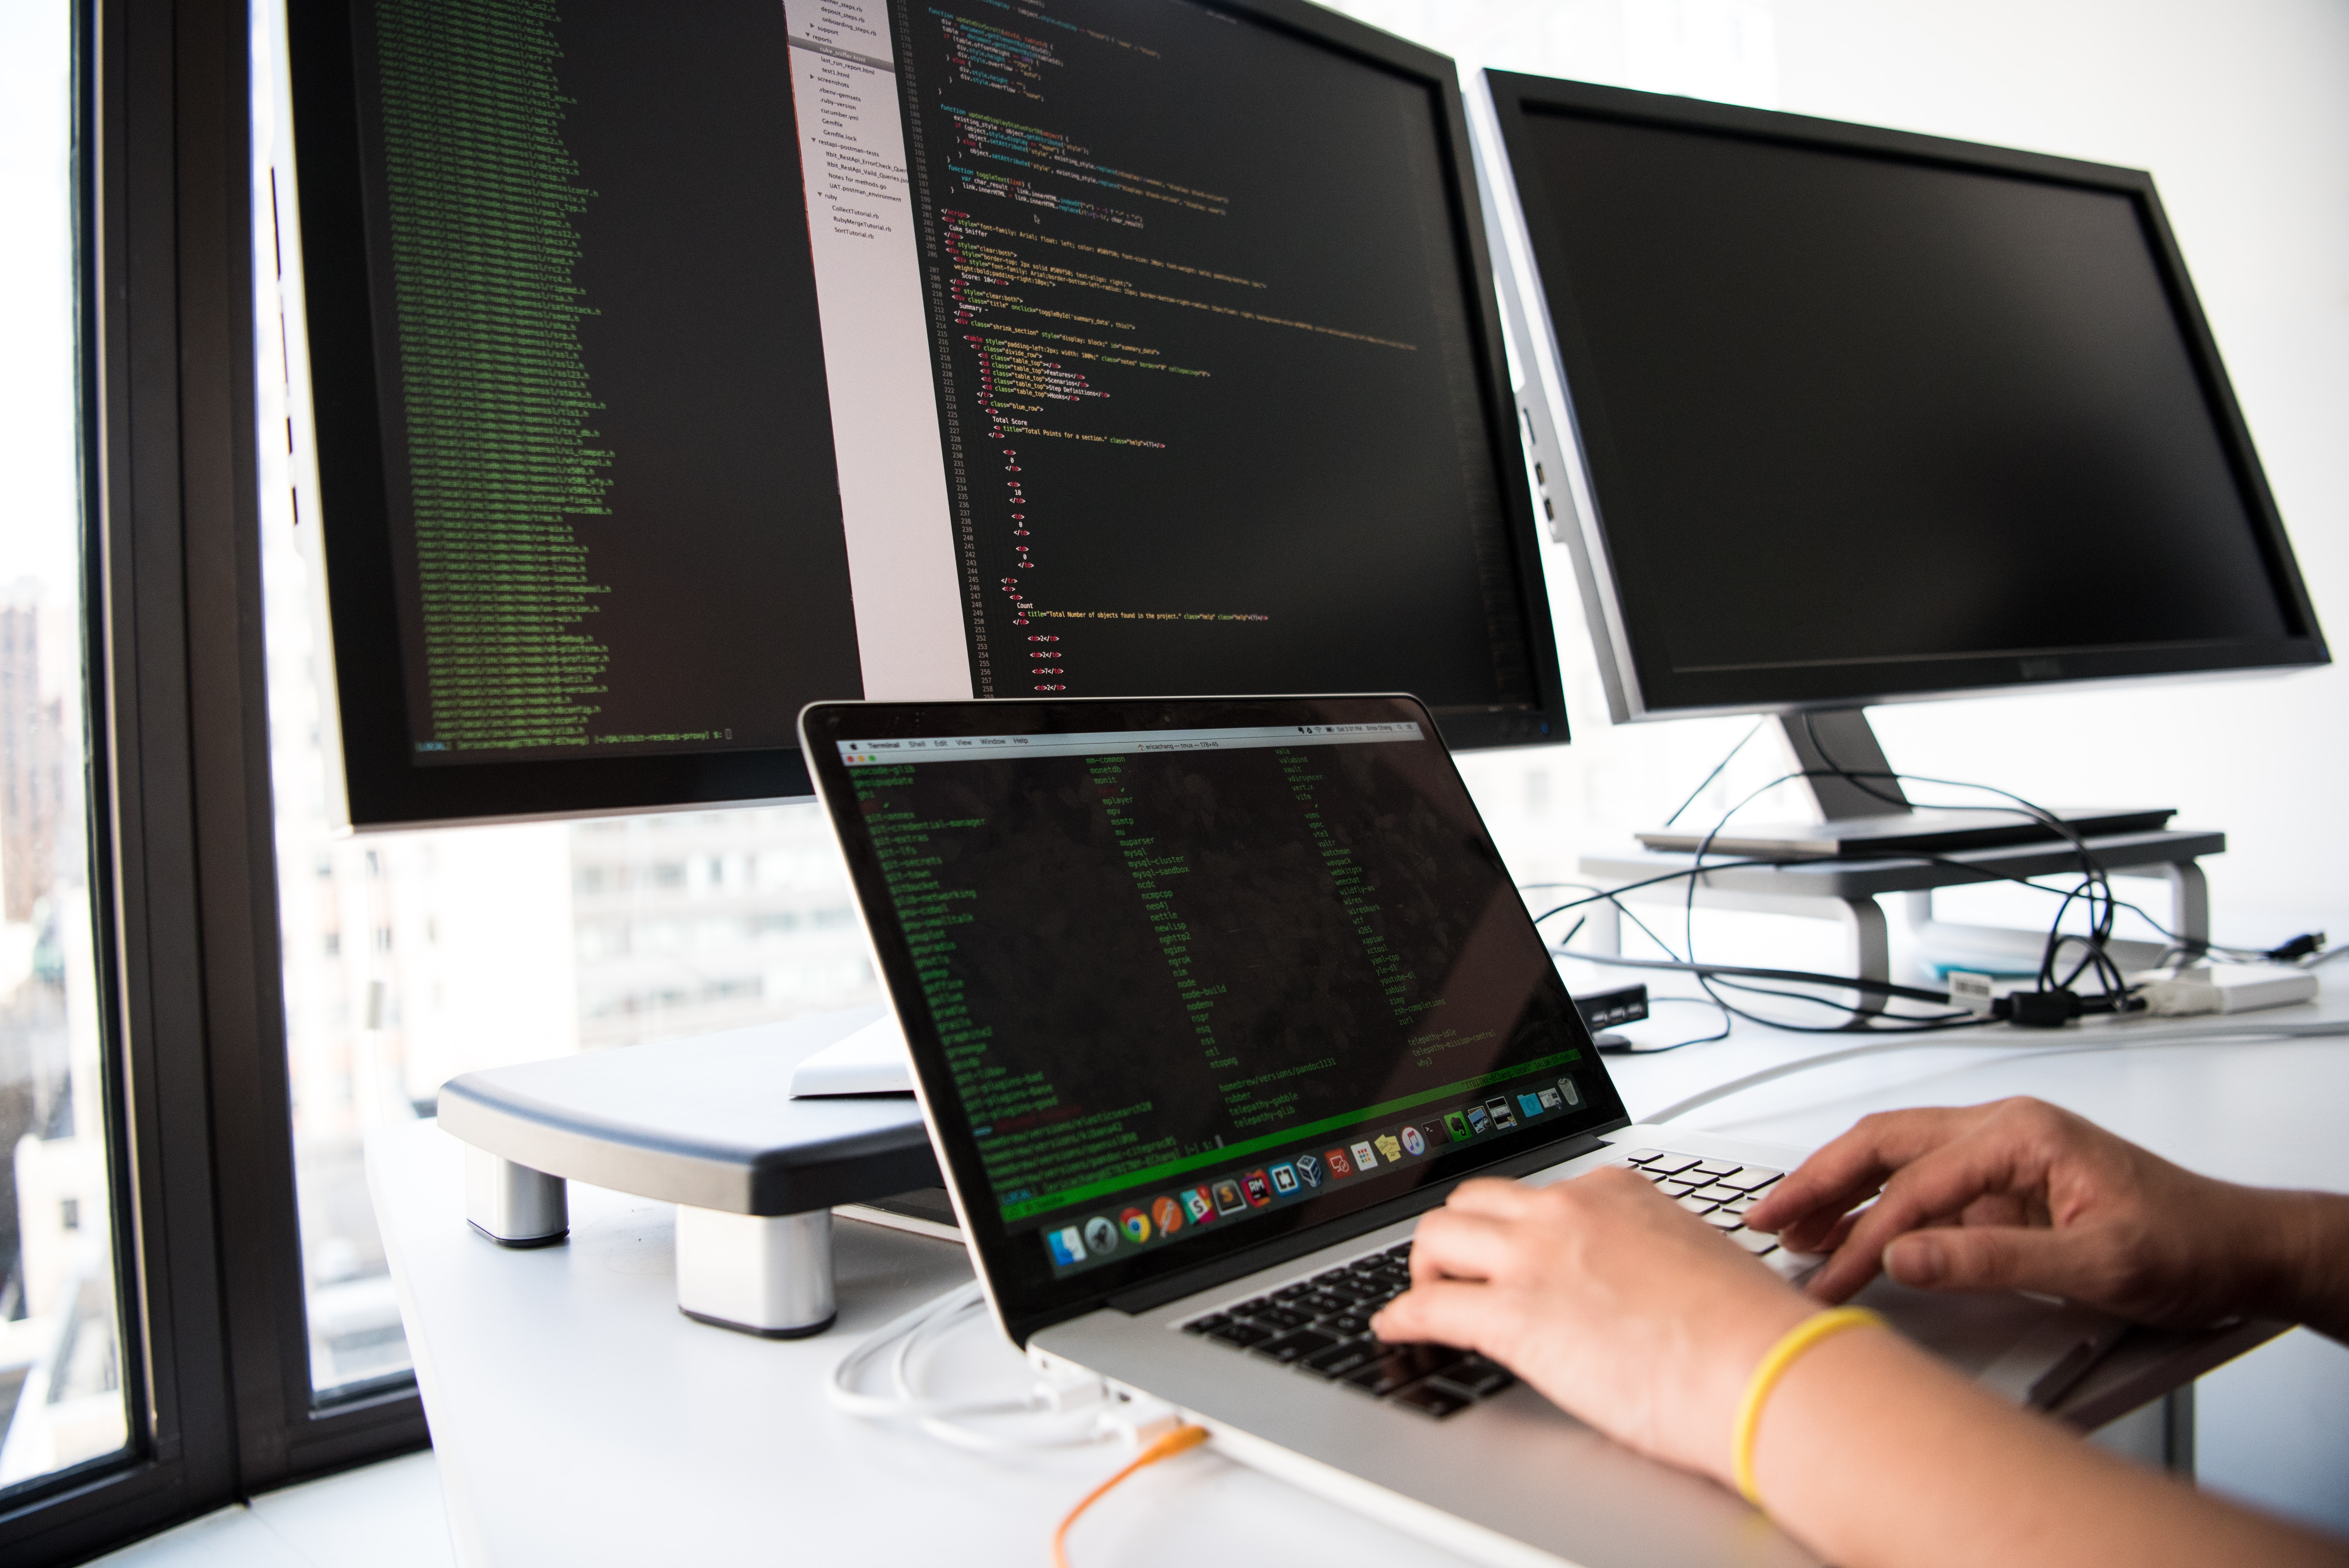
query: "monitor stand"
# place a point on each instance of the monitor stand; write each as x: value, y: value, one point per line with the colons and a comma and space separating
x: 1865, y: 812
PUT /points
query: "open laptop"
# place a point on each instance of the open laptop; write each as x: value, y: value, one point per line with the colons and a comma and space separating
x: 1206, y: 1000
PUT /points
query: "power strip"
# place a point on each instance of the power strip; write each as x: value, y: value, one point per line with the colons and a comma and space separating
x: 2188, y: 989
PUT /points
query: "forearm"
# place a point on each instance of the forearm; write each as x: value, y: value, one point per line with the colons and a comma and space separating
x: 2307, y: 1278
x: 1877, y: 1457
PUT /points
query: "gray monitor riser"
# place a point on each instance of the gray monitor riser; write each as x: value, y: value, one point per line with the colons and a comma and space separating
x: 707, y: 1124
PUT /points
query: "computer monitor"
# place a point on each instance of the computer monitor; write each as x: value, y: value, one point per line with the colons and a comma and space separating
x: 1832, y: 416
x: 675, y: 367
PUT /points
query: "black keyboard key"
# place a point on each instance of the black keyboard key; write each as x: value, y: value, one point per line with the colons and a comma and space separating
x: 1349, y: 1356
x: 1322, y: 1303
x: 1430, y: 1358
x: 1433, y: 1398
x: 1206, y: 1325
x: 1291, y: 1291
x: 1283, y: 1319
x: 1348, y: 1322
x: 1296, y: 1346
x: 1332, y: 1276
x: 1249, y: 1308
x: 1478, y: 1378
x: 1403, y: 1365
x: 1400, y: 1250
x: 1240, y: 1334
x: 1383, y: 1376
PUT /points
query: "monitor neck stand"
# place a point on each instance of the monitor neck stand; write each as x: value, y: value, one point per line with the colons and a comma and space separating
x: 1828, y: 746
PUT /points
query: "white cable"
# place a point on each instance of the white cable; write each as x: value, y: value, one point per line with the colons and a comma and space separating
x: 901, y: 1340
x: 2246, y: 1029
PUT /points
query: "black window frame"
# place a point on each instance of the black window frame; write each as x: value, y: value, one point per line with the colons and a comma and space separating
x: 215, y: 1348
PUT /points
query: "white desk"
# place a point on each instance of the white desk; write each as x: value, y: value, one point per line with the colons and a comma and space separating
x: 581, y: 1421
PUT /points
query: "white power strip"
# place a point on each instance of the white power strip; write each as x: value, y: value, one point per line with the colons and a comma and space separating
x: 2186, y: 989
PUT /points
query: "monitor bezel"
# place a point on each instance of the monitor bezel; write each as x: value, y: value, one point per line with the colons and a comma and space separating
x: 375, y: 784
x: 1638, y: 682
x: 1024, y: 1296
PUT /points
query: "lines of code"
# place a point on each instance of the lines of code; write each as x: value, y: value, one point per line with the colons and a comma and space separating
x: 500, y: 449
x: 1140, y: 965
x: 612, y: 511
x: 1210, y: 410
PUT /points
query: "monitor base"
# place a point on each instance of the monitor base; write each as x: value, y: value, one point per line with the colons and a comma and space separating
x: 1906, y: 833
x: 1865, y: 812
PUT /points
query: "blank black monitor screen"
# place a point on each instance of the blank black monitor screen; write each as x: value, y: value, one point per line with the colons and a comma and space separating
x: 1862, y: 424
x: 645, y: 418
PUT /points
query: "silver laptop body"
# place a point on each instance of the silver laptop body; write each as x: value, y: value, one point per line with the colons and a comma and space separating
x: 1107, y: 926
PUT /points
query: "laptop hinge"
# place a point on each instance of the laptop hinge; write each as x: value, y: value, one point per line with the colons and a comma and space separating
x: 1157, y: 1293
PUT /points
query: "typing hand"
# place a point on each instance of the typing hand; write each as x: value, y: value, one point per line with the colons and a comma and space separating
x: 2022, y: 1196
x: 1620, y: 1307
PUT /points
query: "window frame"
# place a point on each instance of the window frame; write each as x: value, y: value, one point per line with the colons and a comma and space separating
x: 216, y: 1376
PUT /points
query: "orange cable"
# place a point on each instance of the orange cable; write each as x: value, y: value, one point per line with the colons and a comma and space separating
x: 1167, y: 1447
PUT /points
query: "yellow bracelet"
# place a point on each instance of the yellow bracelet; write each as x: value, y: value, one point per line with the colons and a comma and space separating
x: 1782, y: 1355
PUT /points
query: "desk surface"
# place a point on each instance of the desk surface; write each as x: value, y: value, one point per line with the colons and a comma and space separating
x: 581, y: 1420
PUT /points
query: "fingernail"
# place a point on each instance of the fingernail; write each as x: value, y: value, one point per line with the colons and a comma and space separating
x: 1914, y: 1260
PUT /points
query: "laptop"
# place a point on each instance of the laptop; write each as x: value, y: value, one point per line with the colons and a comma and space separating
x: 1207, y: 1001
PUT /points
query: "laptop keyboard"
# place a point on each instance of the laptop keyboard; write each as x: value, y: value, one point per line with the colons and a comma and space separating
x: 1719, y: 1192
x: 1322, y: 1325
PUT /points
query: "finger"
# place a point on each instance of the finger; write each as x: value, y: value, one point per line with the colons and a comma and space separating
x: 1493, y: 1196
x: 1990, y: 1257
x: 1850, y: 1169
x: 1442, y: 1312
x: 1933, y: 1190
x: 1819, y: 1232
x: 1452, y: 1245
x: 1939, y: 1188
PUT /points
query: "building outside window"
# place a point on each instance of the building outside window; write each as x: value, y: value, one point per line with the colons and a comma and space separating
x: 61, y: 1372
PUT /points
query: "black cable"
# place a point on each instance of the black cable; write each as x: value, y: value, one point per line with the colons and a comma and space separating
x: 1627, y: 1050
x: 2177, y: 943
x: 2091, y: 869
x: 2096, y: 890
x: 2093, y: 875
x: 1798, y: 976
x: 1717, y: 766
x: 1612, y: 894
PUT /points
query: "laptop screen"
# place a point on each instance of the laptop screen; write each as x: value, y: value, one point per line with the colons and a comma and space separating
x: 1182, y: 977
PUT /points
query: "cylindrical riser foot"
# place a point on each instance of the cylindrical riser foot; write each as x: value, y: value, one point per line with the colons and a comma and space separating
x: 764, y: 1275
x: 513, y: 1205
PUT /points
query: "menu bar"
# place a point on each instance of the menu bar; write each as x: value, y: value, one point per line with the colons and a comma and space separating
x: 1118, y: 742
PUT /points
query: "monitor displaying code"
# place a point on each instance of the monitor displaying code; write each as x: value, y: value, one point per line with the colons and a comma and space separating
x: 1211, y: 404
x: 614, y: 510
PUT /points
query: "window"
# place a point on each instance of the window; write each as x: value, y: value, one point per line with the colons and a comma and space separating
x: 476, y: 947
x: 62, y: 1400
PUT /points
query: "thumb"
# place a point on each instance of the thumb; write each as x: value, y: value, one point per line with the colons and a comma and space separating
x: 1984, y: 1257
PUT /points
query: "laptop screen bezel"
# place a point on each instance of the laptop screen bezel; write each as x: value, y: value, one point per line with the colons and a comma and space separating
x: 1022, y: 1289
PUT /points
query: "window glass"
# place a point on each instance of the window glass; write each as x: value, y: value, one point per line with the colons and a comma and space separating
x: 61, y: 1394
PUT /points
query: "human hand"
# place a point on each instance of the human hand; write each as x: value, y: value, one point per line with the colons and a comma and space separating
x: 2022, y: 1196
x: 1620, y: 1307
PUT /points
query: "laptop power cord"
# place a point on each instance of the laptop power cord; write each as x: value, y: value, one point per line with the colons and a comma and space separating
x: 1064, y: 1407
